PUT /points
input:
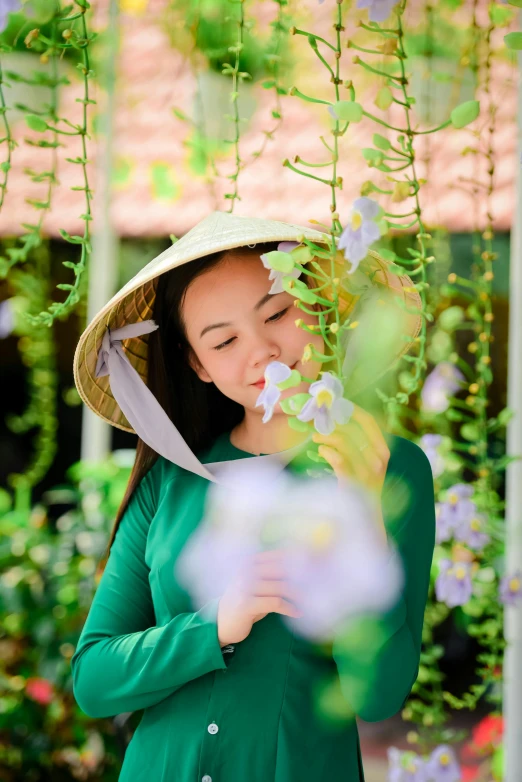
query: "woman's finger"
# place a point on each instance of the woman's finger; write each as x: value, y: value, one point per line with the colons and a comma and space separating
x: 371, y: 429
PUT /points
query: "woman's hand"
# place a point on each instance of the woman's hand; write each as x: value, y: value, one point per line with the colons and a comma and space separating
x: 244, y: 603
x: 357, y: 451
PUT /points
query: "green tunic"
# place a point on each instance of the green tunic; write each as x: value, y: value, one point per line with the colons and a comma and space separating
x: 247, y: 711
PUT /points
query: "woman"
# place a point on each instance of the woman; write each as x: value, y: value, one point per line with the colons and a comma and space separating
x: 229, y: 691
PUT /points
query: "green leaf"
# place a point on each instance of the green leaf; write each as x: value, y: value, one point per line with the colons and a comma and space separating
x: 281, y: 262
x: 299, y: 426
x: 450, y: 318
x: 372, y: 155
x: 36, y: 123
x: 513, y: 40
x: 388, y: 255
x: 465, y: 113
x: 71, y: 239
x: 294, y: 404
x: 302, y: 255
x: 470, y: 432
x: 497, y: 764
x: 299, y: 289
x: 294, y: 380
x: 505, y: 416
x: 348, y: 110
x: 501, y: 17
x: 380, y: 141
x: 384, y: 98
x: 164, y: 182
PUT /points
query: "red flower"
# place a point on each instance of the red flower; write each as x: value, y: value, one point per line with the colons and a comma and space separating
x: 469, y: 773
x: 40, y: 690
x: 489, y: 731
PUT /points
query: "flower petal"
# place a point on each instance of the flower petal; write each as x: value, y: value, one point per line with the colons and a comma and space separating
x: 276, y: 372
x: 368, y: 208
x: 323, y: 420
x: 287, y: 247
x: 309, y: 411
x: 370, y: 232
x: 342, y: 410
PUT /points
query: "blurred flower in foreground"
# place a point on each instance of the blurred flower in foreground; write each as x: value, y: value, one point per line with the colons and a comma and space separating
x: 405, y: 766
x: 378, y: 10
x: 361, y: 231
x: 510, y: 589
x: 6, y: 7
x: 327, y: 406
x: 430, y: 444
x: 457, y: 510
x: 439, y: 385
x: 280, y: 266
x: 453, y: 585
x: 275, y: 373
x: 442, y: 765
x: 6, y: 319
x: 333, y: 556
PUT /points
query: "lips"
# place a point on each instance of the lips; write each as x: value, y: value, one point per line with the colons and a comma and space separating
x: 261, y: 383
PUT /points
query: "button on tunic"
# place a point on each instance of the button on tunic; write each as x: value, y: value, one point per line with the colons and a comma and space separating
x: 248, y: 710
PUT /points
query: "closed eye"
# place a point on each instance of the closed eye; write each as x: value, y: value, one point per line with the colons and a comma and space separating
x: 272, y: 319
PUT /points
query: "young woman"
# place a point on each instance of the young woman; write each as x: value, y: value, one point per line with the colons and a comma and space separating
x: 229, y: 692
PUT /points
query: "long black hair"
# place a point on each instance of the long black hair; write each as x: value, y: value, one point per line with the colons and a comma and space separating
x: 197, y: 409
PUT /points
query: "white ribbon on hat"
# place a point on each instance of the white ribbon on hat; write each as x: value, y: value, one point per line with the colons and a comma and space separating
x: 150, y: 421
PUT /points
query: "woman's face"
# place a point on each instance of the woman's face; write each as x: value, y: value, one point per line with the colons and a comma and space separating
x: 236, y: 328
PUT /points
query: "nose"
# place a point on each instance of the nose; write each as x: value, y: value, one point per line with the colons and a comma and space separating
x: 262, y: 352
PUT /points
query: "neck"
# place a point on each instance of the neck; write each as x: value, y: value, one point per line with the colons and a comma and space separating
x: 253, y: 436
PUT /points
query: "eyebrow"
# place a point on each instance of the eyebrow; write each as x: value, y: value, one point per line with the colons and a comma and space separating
x: 258, y: 306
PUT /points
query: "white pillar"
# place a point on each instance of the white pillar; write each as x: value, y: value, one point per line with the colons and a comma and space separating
x: 96, y: 434
x: 512, y: 695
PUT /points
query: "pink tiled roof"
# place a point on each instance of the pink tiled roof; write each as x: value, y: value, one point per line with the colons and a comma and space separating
x: 153, y: 77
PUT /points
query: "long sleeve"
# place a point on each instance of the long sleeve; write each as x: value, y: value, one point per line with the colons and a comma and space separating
x: 378, y: 660
x: 123, y: 662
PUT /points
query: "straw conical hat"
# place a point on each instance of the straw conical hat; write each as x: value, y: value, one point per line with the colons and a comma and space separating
x: 218, y: 231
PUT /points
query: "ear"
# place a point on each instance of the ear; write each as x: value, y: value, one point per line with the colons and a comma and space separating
x: 198, y: 367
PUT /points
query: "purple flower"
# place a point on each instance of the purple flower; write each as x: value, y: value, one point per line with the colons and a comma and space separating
x: 439, y: 385
x: 469, y: 530
x: 510, y: 590
x: 6, y: 317
x: 8, y: 7
x: 442, y: 765
x: 405, y: 766
x: 453, y: 585
x: 378, y: 10
x: 276, y: 372
x: 360, y: 232
x: 327, y: 406
x: 332, y: 554
x: 430, y: 444
x: 455, y: 511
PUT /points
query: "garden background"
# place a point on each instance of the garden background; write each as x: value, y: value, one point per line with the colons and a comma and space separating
x: 123, y: 124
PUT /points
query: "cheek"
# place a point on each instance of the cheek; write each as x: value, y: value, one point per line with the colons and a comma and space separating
x: 224, y: 368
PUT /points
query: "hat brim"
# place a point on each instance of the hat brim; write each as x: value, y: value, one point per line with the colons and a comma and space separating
x: 218, y: 231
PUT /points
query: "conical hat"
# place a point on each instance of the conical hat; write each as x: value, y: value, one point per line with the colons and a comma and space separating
x: 217, y: 231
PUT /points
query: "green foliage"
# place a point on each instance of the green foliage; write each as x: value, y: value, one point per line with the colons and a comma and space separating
x: 48, y: 559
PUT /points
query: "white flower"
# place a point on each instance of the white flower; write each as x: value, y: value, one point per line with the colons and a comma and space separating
x: 275, y: 373
x: 327, y: 406
x: 361, y: 231
x: 332, y: 554
x: 275, y: 275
